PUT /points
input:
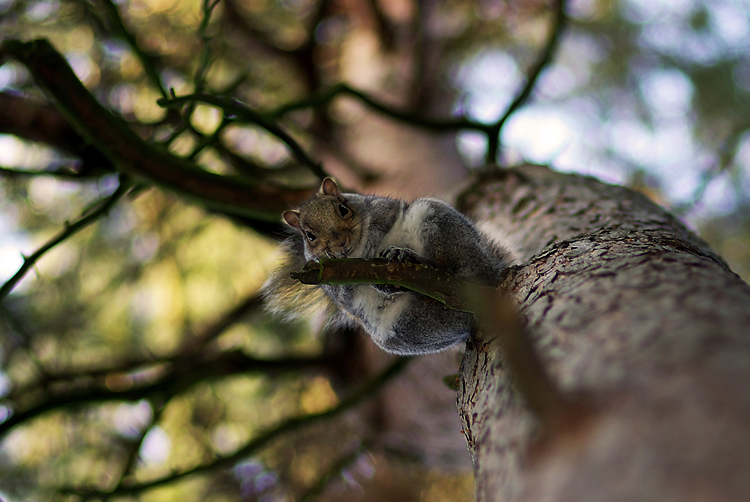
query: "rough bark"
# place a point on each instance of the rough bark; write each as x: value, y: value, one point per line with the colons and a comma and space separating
x: 635, y: 317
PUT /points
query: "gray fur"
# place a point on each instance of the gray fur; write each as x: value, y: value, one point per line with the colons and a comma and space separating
x: 427, y: 231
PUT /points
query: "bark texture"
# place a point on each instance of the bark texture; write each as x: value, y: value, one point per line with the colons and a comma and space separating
x: 635, y: 315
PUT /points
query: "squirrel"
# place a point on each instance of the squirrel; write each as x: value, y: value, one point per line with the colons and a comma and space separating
x: 333, y: 224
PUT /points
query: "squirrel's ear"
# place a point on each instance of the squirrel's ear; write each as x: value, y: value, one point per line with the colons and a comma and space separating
x: 329, y: 187
x: 292, y: 219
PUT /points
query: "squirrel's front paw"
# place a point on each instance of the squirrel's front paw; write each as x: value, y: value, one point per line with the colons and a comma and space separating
x: 399, y: 255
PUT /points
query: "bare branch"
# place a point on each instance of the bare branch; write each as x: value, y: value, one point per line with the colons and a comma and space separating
x: 186, y: 354
x: 424, y: 279
x: 59, y: 171
x: 323, y: 98
x: 248, y: 115
x: 132, y: 154
x: 172, y: 376
x: 199, y: 79
x: 70, y: 229
x: 493, y: 308
x: 545, y: 57
x: 290, y: 425
x: 33, y: 120
x: 150, y: 62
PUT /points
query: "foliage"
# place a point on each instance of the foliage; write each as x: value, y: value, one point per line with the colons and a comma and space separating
x: 134, y: 352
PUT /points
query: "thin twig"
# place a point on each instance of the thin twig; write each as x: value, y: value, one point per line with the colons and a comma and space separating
x: 148, y: 61
x: 70, y: 229
x: 544, y: 58
x: 58, y: 171
x: 246, y: 114
x: 174, y: 375
x: 199, y: 79
x: 197, y: 343
x: 189, y: 350
x: 334, y: 470
x: 135, y: 447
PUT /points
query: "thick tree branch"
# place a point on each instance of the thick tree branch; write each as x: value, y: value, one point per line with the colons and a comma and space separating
x: 36, y: 121
x: 133, y: 155
x: 497, y: 316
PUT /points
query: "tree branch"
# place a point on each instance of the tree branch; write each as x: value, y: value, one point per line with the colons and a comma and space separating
x: 189, y: 351
x: 292, y: 424
x: 492, y: 130
x: 40, y: 122
x: 323, y: 98
x: 133, y: 155
x: 494, y: 310
x: 173, y: 376
x: 545, y: 57
x: 149, y: 62
x: 248, y: 115
x: 424, y: 279
x: 70, y: 229
x: 59, y: 171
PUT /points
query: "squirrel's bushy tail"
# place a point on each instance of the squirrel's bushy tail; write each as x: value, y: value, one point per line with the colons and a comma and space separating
x: 288, y: 298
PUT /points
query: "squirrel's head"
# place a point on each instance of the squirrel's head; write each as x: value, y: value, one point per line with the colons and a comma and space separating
x: 329, y: 226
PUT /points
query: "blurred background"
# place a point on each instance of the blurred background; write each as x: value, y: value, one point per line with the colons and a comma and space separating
x: 140, y: 345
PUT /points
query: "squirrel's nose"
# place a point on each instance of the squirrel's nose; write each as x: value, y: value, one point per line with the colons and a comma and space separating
x: 338, y: 239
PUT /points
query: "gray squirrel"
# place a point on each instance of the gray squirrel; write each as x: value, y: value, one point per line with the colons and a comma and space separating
x: 333, y: 224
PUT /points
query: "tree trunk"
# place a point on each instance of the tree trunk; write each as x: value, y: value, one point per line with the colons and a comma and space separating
x: 633, y: 315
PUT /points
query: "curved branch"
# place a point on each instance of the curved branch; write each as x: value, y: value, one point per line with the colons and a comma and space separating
x: 70, y: 229
x: 248, y: 115
x: 179, y: 375
x: 149, y: 62
x: 323, y: 98
x: 292, y: 424
x: 37, y: 121
x: 191, y: 348
x: 133, y: 155
x: 545, y: 57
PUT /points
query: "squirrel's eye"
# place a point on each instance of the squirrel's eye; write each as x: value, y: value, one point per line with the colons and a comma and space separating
x: 343, y: 210
x: 310, y: 236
